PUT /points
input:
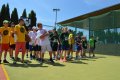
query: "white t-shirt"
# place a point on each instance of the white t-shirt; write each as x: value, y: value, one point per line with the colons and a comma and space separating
x: 44, y: 41
x: 32, y: 35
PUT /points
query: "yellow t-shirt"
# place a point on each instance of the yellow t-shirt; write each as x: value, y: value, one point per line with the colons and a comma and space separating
x: 12, y: 36
x: 71, y: 38
x: 20, y: 32
x: 5, y: 31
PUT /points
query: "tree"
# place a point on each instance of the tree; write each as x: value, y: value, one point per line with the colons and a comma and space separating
x: 24, y: 14
x: 7, y: 13
x: 2, y: 16
x: 14, y: 16
x: 32, y: 16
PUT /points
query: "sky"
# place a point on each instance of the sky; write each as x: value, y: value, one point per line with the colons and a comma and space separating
x: 68, y: 8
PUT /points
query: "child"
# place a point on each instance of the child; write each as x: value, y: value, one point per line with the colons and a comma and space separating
x: 12, y: 42
x: 78, y: 46
x: 65, y: 45
x: 84, y: 46
x: 32, y: 46
x: 5, y: 31
x: 92, y: 42
x: 55, y: 40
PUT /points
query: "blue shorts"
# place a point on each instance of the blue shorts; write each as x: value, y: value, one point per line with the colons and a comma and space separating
x: 78, y: 47
x: 32, y: 48
x: 59, y: 47
x: 65, y: 47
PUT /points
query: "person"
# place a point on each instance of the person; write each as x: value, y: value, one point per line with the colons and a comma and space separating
x: 78, y: 46
x: 12, y: 42
x: 51, y: 34
x: 32, y: 47
x: 71, y: 44
x: 55, y: 40
x: 5, y: 31
x: 27, y: 39
x: 20, y: 33
x: 92, y: 46
x: 44, y: 42
x: 65, y: 45
x: 84, y: 46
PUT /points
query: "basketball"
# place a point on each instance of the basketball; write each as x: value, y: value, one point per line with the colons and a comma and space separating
x: 27, y: 38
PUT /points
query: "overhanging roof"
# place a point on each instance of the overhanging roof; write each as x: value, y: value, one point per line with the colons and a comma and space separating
x: 91, y: 14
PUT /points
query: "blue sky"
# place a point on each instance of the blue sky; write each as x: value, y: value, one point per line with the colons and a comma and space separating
x: 69, y: 8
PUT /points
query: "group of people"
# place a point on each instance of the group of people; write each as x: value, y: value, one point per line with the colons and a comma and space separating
x: 37, y: 41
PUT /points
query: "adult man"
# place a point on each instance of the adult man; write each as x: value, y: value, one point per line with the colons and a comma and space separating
x: 20, y: 32
x: 5, y: 31
x: 44, y: 42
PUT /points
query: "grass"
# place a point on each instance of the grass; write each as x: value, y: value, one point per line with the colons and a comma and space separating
x: 103, y: 67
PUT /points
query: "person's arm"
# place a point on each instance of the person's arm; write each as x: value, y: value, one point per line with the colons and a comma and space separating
x: 15, y: 29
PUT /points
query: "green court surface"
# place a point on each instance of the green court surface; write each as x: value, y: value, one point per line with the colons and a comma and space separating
x: 103, y: 67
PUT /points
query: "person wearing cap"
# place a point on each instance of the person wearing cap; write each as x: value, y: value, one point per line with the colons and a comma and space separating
x: 12, y: 41
x: 32, y: 47
x: 5, y: 31
x: 20, y: 32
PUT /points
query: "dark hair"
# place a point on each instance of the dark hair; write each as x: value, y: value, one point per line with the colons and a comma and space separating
x: 56, y: 33
x: 20, y: 20
x: 39, y: 24
x: 70, y: 30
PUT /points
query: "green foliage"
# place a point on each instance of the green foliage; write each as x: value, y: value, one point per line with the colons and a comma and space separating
x: 14, y: 16
x: 32, y: 16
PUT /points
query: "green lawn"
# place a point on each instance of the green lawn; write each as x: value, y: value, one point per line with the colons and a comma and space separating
x: 103, y: 67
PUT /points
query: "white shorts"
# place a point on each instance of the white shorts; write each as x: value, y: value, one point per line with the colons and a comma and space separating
x: 46, y: 48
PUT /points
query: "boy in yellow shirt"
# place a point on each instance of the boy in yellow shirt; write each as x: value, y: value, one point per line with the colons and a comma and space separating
x: 5, y: 30
x: 20, y: 33
x: 71, y: 43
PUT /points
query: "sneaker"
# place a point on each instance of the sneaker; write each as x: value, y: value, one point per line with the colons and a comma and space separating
x: 31, y: 57
x: 61, y: 60
x: 5, y: 61
x: 14, y: 62
x: 12, y: 58
x: 18, y: 59
x: 27, y: 55
x: 0, y: 61
x: 41, y: 60
x: 76, y: 58
x: 64, y: 60
x: 93, y: 56
x: 51, y: 60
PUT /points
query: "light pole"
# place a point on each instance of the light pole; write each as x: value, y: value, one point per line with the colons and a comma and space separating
x: 56, y: 11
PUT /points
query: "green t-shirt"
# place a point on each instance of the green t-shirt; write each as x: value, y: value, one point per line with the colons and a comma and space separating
x: 91, y: 42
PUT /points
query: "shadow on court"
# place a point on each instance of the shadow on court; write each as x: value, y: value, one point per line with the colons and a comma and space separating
x: 26, y: 65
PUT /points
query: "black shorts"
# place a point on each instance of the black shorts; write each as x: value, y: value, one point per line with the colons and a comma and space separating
x: 32, y: 48
x: 12, y: 46
x: 38, y: 48
x: 27, y: 45
x: 55, y: 47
